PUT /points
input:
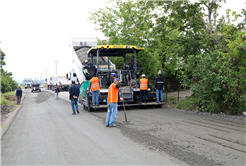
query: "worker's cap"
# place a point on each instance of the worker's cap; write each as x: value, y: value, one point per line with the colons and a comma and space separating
x: 131, y: 58
x: 112, y: 74
x: 143, y: 75
x: 92, y: 75
x: 117, y: 79
x: 159, y: 72
x: 86, y: 61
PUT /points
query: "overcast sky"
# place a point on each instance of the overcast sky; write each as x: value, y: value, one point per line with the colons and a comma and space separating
x: 34, y: 33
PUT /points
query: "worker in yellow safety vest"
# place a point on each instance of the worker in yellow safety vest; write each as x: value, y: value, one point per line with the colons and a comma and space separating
x: 94, y: 86
x: 143, y: 86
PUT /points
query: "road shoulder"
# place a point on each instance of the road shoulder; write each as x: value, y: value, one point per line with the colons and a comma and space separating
x: 10, y: 117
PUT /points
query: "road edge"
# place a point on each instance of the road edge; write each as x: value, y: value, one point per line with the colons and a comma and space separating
x: 12, y: 115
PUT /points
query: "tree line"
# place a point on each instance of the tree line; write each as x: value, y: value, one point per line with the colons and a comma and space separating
x: 7, y: 82
x: 188, y: 41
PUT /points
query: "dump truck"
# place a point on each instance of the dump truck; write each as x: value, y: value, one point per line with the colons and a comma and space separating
x: 129, y: 88
x: 28, y: 82
x: 64, y: 83
x: 80, y: 47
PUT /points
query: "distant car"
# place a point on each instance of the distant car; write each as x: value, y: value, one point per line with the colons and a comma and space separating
x: 41, y: 86
x: 36, y: 87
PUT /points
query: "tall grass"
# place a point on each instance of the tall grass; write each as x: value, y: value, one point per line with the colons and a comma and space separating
x: 5, y: 101
x: 190, y: 103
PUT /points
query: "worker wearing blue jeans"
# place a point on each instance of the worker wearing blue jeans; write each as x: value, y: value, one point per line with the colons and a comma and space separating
x: 74, y: 102
x: 73, y: 95
x: 112, y: 101
x: 159, y: 86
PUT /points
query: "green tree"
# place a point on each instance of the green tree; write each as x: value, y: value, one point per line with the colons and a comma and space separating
x: 132, y: 23
x: 187, y: 40
x: 7, y: 82
x: 213, y: 50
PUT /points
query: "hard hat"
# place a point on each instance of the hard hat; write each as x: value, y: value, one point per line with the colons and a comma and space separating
x: 143, y: 75
x: 117, y: 79
x: 112, y: 74
x: 159, y: 72
x: 86, y: 61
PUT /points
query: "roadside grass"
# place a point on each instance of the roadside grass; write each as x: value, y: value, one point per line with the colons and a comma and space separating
x: 189, y: 103
x: 171, y: 101
x: 8, y: 99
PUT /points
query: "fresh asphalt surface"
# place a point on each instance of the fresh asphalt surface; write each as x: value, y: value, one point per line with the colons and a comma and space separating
x: 45, y: 133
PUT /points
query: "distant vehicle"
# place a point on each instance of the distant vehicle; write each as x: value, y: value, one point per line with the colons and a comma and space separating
x: 53, y: 81
x: 41, y: 86
x: 27, y: 82
x: 36, y: 87
x: 64, y: 83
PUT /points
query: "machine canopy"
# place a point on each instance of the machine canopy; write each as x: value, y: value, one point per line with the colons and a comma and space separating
x: 113, y: 50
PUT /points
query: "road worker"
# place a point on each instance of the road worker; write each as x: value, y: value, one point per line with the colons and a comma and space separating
x: 88, y: 63
x: 143, y: 86
x: 73, y: 95
x: 94, y: 87
x: 111, y: 80
x: 18, y: 94
x: 131, y: 64
x: 112, y: 101
x: 159, y: 85
x: 57, y: 90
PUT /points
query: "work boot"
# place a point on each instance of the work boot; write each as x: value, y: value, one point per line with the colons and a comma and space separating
x: 78, y: 111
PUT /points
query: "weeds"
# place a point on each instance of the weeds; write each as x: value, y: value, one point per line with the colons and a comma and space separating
x: 189, y: 103
x: 8, y: 98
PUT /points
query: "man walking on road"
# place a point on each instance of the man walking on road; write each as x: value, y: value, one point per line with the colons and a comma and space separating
x: 112, y: 101
x: 73, y: 95
x: 57, y: 90
x: 94, y: 86
x: 143, y: 86
x: 159, y: 83
x: 18, y: 93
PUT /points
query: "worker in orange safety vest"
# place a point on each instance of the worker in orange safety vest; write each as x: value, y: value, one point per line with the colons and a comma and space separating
x: 112, y: 101
x: 143, y: 86
x: 94, y: 86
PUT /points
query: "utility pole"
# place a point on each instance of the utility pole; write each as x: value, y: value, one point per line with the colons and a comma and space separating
x: 46, y: 75
x: 56, y: 66
x: 40, y: 77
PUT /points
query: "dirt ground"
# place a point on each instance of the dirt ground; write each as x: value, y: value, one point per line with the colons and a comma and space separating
x: 6, y: 109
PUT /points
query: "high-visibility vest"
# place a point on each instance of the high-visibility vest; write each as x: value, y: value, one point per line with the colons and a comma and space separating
x: 55, y: 88
x: 112, y: 94
x: 94, y: 84
x: 143, y: 84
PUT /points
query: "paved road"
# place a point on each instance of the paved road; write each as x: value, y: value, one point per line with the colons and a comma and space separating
x: 192, y: 138
x: 45, y: 133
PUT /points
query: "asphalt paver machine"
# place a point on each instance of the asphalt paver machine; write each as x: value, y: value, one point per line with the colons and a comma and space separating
x: 128, y: 77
